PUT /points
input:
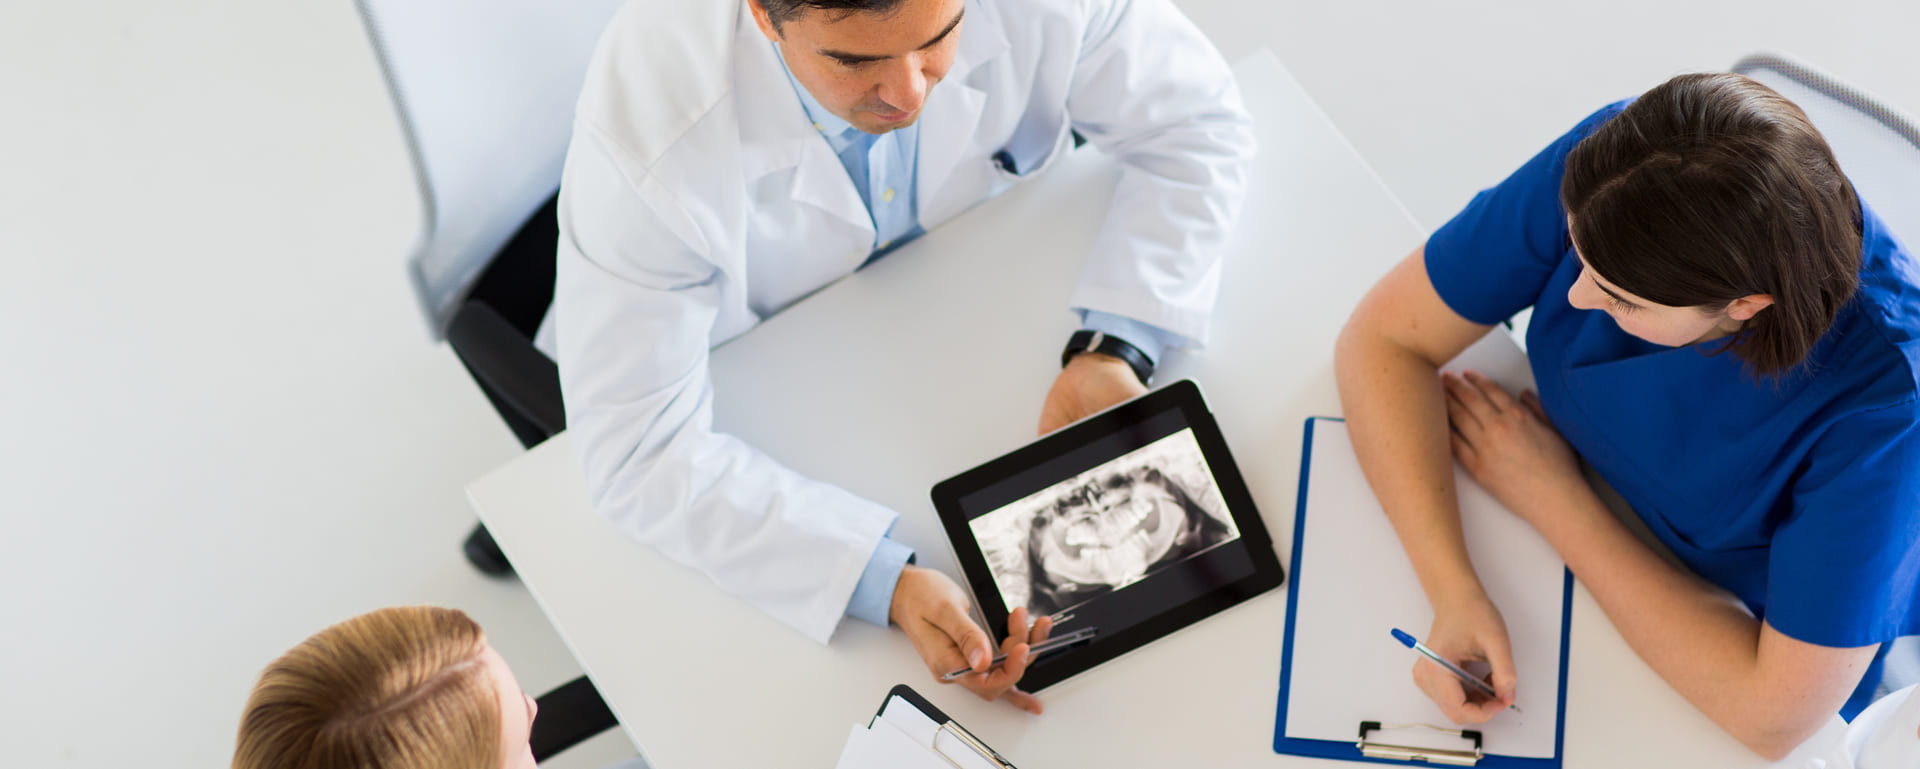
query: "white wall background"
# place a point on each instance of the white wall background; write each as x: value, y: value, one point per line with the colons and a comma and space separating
x: 225, y: 427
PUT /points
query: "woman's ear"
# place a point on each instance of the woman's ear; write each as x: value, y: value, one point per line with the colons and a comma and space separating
x: 1748, y: 306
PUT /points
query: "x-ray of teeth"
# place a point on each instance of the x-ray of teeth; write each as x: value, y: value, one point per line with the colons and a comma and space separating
x: 1106, y: 528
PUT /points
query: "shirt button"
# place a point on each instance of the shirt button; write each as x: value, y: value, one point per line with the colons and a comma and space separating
x: 887, y: 197
x: 883, y: 246
x: 818, y: 127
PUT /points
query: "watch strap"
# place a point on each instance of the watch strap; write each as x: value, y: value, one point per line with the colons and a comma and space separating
x: 1088, y: 340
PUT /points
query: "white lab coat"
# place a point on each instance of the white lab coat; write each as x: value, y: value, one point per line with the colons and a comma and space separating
x: 698, y: 200
x: 1884, y: 736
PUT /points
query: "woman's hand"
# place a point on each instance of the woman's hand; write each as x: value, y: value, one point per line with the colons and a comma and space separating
x: 1467, y: 630
x: 1508, y: 446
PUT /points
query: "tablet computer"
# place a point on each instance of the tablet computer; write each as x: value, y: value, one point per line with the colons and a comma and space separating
x: 1134, y: 521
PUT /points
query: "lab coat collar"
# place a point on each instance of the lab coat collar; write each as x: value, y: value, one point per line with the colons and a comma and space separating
x: 838, y: 131
x: 953, y: 110
x: 777, y: 134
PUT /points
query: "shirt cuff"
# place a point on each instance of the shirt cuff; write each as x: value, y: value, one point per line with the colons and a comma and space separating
x: 873, y: 595
x: 1150, y: 339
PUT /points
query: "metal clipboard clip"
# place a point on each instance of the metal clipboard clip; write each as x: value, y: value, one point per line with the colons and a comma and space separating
x: 1409, y: 753
x: 972, y: 743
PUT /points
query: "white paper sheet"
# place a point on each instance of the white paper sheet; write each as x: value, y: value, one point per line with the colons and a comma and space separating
x: 884, y: 747
x: 1355, y: 584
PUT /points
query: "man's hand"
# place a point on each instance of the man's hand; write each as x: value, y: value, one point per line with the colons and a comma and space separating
x: 933, y: 611
x: 1090, y: 383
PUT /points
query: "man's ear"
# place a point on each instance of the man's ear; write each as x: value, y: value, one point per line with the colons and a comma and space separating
x: 1748, y: 306
x: 761, y: 18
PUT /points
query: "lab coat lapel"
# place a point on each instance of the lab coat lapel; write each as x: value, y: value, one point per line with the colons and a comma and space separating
x: 946, y: 133
x: 821, y: 181
x: 952, y: 116
x: 776, y: 135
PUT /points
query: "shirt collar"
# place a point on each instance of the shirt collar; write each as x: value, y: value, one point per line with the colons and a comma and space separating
x: 839, y: 133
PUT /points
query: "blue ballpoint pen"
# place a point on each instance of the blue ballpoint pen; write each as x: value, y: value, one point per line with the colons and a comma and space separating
x: 1409, y: 642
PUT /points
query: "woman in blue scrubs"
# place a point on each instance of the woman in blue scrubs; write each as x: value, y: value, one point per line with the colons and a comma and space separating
x: 1729, y: 336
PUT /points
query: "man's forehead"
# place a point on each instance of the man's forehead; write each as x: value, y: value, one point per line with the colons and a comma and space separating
x: 860, y: 34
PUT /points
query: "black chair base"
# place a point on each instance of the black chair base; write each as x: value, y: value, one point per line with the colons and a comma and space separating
x: 485, y: 554
x: 568, y: 716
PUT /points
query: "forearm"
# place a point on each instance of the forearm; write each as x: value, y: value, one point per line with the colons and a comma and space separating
x: 1150, y: 91
x: 1702, y: 643
x: 793, y: 546
x: 1396, y: 415
x: 641, y: 418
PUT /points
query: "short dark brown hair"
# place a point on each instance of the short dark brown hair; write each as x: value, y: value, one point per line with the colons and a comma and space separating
x: 1712, y: 187
x: 783, y: 11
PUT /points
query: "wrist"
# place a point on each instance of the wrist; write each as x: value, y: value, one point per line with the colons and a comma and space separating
x: 1579, y: 522
x: 1086, y: 342
x: 1454, y: 588
x: 903, y: 590
x: 1098, y: 361
x: 1558, y: 501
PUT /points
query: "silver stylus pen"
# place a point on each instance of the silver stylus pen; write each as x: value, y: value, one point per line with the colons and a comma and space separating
x: 1057, y: 642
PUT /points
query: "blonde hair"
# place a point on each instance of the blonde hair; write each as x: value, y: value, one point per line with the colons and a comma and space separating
x: 401, y: 688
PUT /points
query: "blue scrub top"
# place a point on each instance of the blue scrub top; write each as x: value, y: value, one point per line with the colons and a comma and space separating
x: 1801, y: 495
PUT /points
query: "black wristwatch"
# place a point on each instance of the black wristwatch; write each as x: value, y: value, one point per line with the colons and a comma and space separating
x: 1086, y: 340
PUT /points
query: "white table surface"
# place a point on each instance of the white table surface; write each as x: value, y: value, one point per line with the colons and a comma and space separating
x: 936, y: 359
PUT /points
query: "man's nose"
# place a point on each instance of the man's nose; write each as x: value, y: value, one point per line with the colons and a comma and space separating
x: 905, y: 85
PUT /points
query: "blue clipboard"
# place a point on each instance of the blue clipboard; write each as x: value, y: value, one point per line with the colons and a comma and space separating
x: 1350, y: 750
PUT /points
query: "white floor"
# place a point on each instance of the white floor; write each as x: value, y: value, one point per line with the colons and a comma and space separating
x: 227, y: 428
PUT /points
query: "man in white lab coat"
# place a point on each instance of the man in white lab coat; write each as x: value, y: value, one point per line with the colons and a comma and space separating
x: 733, y: 156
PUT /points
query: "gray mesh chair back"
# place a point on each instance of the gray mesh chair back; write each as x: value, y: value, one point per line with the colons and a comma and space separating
x: 485, y: 91
x: 1878, y: 146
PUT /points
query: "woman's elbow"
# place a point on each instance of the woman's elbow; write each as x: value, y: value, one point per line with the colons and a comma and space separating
x: 1774, y: 742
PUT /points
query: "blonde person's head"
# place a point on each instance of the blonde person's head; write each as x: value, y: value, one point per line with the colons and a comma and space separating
x: 404, y: 688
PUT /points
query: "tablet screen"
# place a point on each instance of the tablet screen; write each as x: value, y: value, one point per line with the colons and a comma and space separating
x: 1134, y: 522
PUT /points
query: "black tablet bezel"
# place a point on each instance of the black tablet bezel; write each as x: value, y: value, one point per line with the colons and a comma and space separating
x: 1184, y: 396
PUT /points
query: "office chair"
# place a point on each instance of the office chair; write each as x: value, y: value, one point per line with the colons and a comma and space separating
x: 485, y: 93
x: 1878, y: 146
x: 1879, y: 149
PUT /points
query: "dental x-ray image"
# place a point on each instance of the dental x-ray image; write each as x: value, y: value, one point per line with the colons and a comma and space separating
x: 1105, y: 528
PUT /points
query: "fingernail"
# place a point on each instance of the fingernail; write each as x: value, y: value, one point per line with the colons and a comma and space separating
x: 977, y: 659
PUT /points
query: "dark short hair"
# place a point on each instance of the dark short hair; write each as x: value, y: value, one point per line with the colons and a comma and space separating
x: 1711, y: 187
x: 783, y: 11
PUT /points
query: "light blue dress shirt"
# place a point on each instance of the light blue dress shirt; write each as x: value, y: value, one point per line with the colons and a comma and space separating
x: 885, y: 169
